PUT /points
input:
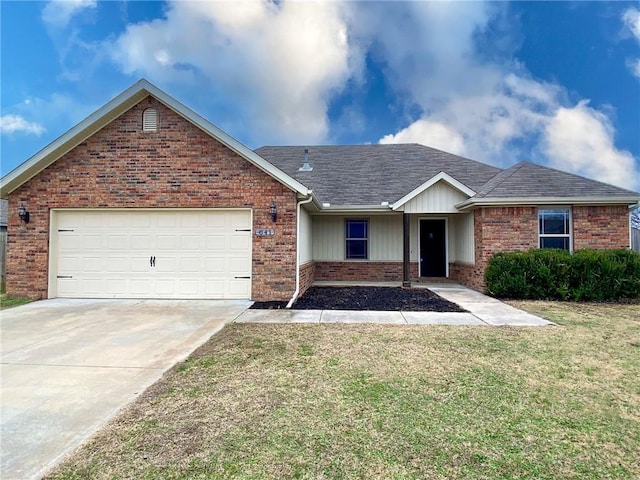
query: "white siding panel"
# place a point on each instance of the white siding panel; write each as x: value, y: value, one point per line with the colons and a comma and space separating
x: 464, y: 238
x: 328, y: 238
x: 385, y: 238
x: 306, y: 237
x: 439, y: 198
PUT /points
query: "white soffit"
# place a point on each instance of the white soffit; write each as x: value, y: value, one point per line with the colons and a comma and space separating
x: 429, y: 183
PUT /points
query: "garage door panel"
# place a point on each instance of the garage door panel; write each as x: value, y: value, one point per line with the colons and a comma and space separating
x: 97, y: 264
x: 239, y: 288
x: 90, y: 242
x: 166, y: 242
x: 140, y: 242
x: 190, y: 242
x: 197, y: 254
x: 67, y: 264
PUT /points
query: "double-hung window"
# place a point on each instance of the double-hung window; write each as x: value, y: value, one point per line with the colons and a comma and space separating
x: 356, y: 238
x: 555, y: 228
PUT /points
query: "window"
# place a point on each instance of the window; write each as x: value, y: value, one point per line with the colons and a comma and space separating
x: 357, y: 238
x: 554, y: 228
x: 150, y: 120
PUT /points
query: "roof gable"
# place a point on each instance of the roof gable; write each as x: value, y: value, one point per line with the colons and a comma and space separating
x: 434, y: 184
x: 112, y: 110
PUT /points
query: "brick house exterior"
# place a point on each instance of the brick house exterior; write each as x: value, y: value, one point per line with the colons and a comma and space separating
x: 179, y: 166
x: 110, y: 162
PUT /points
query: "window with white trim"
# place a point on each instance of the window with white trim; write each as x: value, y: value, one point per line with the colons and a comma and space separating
x: 554, y: 226
x: 150, y: 120
x: 356, y: 238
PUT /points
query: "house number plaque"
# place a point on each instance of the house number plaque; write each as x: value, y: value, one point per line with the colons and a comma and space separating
x: 265, y: 232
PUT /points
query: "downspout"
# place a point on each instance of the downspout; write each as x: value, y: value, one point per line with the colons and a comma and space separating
x: 297, y: 292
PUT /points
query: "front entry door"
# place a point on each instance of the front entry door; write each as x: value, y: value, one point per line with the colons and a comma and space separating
x: 433, y: 248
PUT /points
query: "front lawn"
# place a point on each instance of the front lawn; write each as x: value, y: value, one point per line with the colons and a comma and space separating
x: 389, y: 401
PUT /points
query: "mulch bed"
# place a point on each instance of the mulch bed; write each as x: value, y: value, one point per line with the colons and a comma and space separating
x: 367, y: 298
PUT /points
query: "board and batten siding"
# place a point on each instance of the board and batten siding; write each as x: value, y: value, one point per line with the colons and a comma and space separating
x: 439, y: 198
x: 306, y: 237
x: 463, y: 239
x: 385, y: 237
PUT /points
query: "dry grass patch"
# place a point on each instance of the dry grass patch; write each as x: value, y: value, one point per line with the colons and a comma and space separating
x: 389, y: 401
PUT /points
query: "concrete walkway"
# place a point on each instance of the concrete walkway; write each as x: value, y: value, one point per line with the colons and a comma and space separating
x: 483, y: 311
x: 68, y: 366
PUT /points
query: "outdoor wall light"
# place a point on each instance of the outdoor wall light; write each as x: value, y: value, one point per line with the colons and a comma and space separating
x: 23, y: 213
x: 273, y: 210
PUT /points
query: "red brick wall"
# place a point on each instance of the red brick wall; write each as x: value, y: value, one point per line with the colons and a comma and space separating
x: 500, y: 229
x: 600, y: 227
x: 307, y: 274
x: 177, y: 166
x: 362, y: 271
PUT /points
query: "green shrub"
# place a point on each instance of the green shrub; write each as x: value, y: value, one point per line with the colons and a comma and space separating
x: 599, y: 275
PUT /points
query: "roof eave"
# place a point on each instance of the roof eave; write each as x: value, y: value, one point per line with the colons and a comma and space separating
x: 489, y: 202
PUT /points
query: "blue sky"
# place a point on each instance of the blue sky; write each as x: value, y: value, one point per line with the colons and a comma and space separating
x: 557, y: 83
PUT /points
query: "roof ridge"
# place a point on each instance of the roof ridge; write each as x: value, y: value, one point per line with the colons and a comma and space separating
x: 504, y: 176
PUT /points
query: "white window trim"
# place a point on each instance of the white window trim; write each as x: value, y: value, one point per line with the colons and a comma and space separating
x: 365, y: 219
x: 556, y: 235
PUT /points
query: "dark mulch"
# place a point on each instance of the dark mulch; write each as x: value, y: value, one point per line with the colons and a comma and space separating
x: 368, y: 298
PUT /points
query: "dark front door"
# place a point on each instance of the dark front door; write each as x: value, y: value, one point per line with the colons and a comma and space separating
x: 433, y: 248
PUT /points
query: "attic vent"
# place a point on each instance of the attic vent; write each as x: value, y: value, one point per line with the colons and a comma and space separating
x: 306, y: 167
x: 150, y: 120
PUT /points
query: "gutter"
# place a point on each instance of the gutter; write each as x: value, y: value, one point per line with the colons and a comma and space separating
x: 518, y: 201
x: 297, y: 292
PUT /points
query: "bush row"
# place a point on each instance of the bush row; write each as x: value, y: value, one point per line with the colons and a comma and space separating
x: 585, y: 275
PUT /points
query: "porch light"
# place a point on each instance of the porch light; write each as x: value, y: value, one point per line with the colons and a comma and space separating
x: 23, y: 213
x: 273, y: 210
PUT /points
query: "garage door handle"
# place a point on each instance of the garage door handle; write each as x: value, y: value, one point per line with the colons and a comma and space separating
x: 242, y: 277
x: 152, y: 261
x: 243, y: 229
x: 64, y: 276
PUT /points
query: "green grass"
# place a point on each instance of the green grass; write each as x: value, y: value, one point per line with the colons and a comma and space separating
x: 9, y: 302
x: 390, y: 401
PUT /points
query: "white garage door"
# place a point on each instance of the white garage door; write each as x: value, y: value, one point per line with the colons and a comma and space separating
x: 151, y: 254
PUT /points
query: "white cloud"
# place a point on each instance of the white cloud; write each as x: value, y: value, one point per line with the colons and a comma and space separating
x: 433, y: 134
x: 278, y: 63
x: 58, y: 13
x: 631, y: 18
x: 10, y: 124
x: 581, y: 139
x: 634, y: 67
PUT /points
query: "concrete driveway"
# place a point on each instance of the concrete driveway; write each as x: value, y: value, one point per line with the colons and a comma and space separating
x: 67, y: 366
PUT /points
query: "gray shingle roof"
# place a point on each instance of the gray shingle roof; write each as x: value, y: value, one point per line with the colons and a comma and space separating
x: 366, y: 175
x: 531, y: 180
x: 372, y: 174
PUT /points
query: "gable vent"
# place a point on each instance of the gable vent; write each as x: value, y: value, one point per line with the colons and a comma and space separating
x: 150, y: 120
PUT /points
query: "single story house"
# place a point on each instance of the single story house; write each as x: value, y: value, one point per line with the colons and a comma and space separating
x: 147, y: 199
